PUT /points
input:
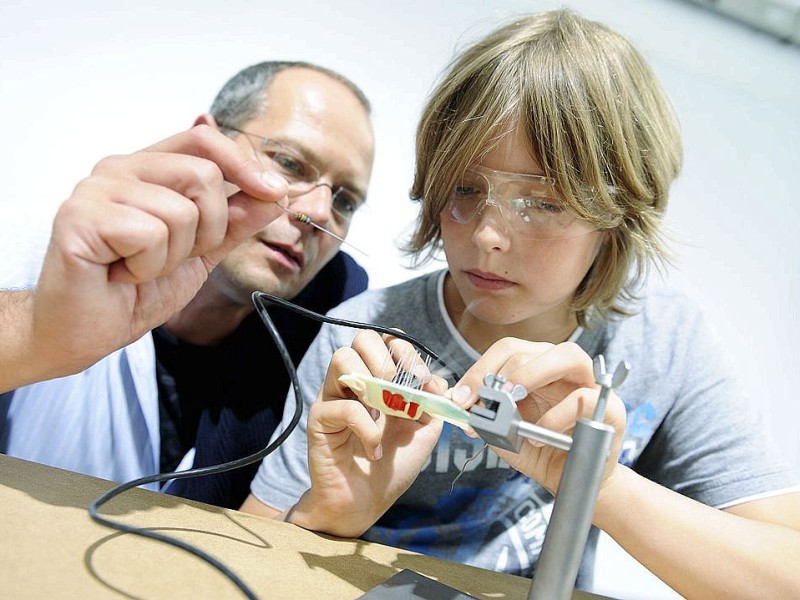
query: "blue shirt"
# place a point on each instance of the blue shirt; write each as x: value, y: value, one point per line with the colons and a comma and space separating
x: 102, y: 421
x: 690, y: 428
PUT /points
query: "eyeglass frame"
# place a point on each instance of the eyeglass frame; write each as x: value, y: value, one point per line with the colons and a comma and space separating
x: 344, y: 219
x: 514, y: 221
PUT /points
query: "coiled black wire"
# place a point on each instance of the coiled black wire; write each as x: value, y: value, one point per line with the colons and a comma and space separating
x: 259, y: 300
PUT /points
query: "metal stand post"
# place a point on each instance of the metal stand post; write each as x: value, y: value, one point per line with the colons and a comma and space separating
x: 498, y: 423
x: 565, y: 538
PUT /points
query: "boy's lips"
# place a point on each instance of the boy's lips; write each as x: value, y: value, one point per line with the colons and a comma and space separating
x: 488, y: 281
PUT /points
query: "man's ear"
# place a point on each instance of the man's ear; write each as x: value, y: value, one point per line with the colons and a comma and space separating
x: 206, y: 119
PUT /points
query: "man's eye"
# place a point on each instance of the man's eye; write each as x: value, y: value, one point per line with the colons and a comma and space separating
x: 291, y: 166
x: 345, y: 202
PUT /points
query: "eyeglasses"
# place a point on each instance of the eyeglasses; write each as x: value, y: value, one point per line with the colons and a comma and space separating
x: 528, y: 204
x: 303, y: 176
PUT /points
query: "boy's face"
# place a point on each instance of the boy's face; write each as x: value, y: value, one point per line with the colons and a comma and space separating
x: 502, y: 277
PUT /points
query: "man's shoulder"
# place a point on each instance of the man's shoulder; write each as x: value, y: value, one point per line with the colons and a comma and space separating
x: 411, y: 305
x: 341, y: 278
x: 409, y: 291
x: 342, y: 265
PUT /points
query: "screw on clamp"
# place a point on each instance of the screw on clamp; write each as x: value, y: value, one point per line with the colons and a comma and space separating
x: 498, y: 382
x: 607, y: 382
x: 498, y: 422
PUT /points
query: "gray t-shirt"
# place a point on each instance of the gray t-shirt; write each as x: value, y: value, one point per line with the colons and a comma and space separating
x: 690, y: 428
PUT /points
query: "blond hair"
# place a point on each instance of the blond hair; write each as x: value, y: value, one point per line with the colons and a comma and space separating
x: 597, y: 121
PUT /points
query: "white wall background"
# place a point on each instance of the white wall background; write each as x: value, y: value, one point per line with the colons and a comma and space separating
x: 83, y: 79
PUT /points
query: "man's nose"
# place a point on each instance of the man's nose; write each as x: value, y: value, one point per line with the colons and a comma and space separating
x: 316, y: 203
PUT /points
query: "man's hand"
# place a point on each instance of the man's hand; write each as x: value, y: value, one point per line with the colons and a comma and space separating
x: 132, y: 245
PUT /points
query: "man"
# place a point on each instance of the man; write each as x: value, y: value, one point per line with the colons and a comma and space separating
x: 105, y: 420
x: 216, y: 351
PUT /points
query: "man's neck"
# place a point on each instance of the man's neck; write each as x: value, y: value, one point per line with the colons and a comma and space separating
x: 206, y: 321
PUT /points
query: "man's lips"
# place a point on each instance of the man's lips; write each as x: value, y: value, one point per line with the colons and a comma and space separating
x: 291, y: 255
x: 488, y: 281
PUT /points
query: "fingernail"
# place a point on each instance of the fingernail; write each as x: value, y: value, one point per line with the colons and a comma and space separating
x: 273, y: 180
x: 422, y: 373
x: 461, y: 394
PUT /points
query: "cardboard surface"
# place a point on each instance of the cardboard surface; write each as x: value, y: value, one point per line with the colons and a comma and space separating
x: 51, y: 548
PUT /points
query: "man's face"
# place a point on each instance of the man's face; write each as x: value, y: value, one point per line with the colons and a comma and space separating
x: 326, y: 123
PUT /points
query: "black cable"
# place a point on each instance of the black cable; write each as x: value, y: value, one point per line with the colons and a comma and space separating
x: 228, y: 466
x: 258, y: 300
x: 257, y: 296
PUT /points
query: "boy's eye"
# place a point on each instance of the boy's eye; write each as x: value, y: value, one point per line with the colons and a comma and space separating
x: 462, y: 190
x: 546, y: 206
x: 466, y: 190
x: 537, y: 204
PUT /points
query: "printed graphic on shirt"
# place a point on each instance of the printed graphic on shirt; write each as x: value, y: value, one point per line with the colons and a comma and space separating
x: 494, y: 517
x: 642, y: 422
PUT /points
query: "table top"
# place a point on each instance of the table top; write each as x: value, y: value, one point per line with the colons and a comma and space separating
x: 52, y: 548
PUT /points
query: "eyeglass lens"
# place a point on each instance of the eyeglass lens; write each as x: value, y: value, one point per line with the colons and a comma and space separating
x: 302, y: 177
x: 527, y: 204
